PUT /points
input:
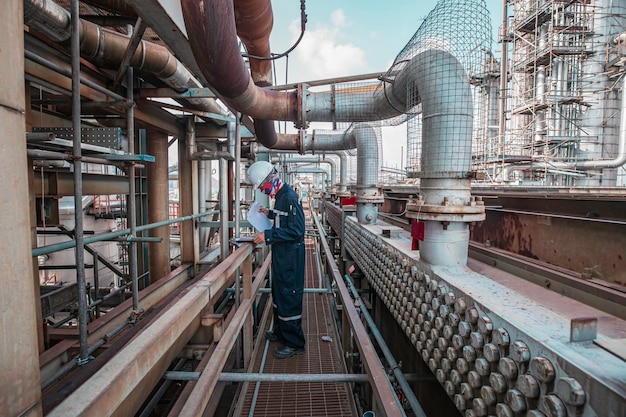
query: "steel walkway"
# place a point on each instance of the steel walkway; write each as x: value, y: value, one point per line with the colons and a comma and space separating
x: 296, y: 399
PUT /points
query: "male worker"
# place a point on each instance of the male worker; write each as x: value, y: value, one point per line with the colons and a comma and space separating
x: 287, y: 239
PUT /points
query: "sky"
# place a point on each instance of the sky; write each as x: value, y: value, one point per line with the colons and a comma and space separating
x: 352, y: 37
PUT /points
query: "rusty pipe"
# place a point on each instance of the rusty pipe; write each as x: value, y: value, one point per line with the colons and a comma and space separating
x: 107, y: 48
x: 254, y: 21
x: 212, y: 35
x: 114, y: 6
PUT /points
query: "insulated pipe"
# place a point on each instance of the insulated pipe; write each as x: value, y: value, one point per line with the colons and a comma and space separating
x: 108, y: 48
x: 363, y: 138
x: 343, y: 164
x: 212, y: 36
x: 333, y: 166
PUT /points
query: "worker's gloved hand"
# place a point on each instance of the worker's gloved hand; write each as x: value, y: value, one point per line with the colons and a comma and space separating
x: 259, y: 238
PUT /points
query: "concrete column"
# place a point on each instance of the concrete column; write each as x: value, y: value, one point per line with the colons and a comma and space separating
x: 158, y: 204
x: 19, y: 356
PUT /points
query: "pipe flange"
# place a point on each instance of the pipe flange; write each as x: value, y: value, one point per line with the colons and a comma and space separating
x: 473, y: 212
x: 303, y: 92
x: 370, y: 199
x: 445, y: 209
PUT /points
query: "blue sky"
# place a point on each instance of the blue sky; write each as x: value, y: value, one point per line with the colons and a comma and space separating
x: 351, y: 37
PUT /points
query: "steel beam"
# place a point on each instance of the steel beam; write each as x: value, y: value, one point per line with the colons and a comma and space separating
x: 202, y: 391
x: 121, y: 386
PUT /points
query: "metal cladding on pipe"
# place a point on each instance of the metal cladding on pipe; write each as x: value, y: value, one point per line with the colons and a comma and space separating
x: 107, y: 48
x: 333, y: 167
x: 364, y: 138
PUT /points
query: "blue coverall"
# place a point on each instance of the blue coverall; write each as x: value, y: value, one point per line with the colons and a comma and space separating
x: 288, y: 255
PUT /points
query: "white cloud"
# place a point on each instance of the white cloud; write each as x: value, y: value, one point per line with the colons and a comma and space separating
x: 338, y: 18
x: 322, y: 54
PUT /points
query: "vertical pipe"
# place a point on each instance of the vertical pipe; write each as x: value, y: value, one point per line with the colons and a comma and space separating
x: 96, y: 282
x: 202, y: 187
x: 132, y: 209
x: 503, y: 78
x: 188, y: 187
x: 78, y: 186
x: 237, y: 173
x: 158, y: 204
x: 224, y: 200
x: 20, y: 394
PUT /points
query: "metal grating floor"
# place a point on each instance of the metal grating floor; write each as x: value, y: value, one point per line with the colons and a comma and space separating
x: 291, y: 399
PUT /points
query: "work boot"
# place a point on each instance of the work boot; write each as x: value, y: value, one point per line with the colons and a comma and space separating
x: 271, y: 336
x: 287, y: 352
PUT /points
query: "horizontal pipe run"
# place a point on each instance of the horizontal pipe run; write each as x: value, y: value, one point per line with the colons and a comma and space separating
x: 151, y: 239
x: 556, y: 216
x: 218, y: 224
x: 106, y: 236
x: 52, y: 156
x: 54, y: 67
x: 306, y: 290
x: 254, y: 377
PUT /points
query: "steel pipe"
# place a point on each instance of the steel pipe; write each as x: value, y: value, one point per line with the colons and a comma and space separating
x: 57, y: 68
x: 107, y: 48
x: 106, y: 236
x: 254, y: 377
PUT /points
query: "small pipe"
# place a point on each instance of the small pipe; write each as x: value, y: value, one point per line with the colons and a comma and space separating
x: 406, y: 388
x: 54, y: 67
x: 237, y: 175
x: 257, y: 386
x: 78, y: 189
x: 254, y: 377
x: 96, y: 283
x: 147, y: 411
x: 73, y: 362
x: 67, y: 245
x: 131, y: 215
x: 306, y: 290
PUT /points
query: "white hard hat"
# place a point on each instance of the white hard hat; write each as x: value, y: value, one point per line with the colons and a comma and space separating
x: 258, y: 172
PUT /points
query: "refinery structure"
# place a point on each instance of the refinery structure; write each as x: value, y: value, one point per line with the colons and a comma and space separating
x: 484, y: 277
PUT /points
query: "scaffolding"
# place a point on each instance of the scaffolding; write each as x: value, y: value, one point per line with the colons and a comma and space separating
x: 562, y: 104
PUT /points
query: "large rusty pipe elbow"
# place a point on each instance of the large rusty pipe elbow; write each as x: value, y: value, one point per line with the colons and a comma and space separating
x: 254, y: 21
